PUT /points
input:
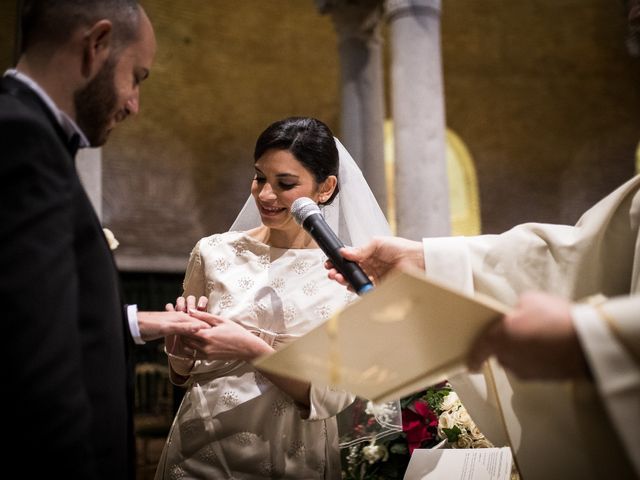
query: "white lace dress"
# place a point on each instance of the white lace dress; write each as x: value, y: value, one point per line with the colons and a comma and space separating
x: 233, y: 423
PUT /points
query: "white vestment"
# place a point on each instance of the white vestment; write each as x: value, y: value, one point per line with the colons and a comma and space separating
x: 233, y: 423
x: 565, y: 430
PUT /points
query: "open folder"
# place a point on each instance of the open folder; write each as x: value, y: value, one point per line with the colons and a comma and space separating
x: 408, y: 333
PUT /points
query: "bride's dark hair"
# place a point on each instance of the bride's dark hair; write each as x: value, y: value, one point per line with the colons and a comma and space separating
x: 309, y: 140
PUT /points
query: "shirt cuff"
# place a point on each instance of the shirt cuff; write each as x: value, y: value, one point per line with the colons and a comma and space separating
x: 132, y: 315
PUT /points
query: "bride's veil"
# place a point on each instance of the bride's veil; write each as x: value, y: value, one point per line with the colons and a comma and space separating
x: 355, y: 217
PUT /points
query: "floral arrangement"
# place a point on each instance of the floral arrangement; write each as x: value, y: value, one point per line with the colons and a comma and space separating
x: 431, y: 418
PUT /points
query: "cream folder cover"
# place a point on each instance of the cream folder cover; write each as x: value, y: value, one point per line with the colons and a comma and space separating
x: 404, y: 335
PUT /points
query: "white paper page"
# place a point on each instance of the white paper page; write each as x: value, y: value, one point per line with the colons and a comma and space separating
x: 460, y: 464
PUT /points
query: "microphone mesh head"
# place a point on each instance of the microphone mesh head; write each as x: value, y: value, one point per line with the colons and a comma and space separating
x: 302, y: 208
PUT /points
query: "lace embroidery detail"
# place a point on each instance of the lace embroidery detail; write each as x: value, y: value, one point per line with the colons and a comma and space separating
x: 300, y: 266
x: 176, y: 472
x: 230, y: 399
x: 280, y: 406
x: 225, y: 301
x: 211, y: 287
x: 259, y: 310
x: 266, y: 468
x: 208, y: 455
x: 190, y: 428
x: 245, y: 439
x: 349, y: 297
x: 221, y: 265
x: 289, y: 313
x: 215, y: 240
x: 260, y: 379
x: 245, y: 283
x: 310, y: 288
x: 296, y: 449
x: 239, y: 248
x: 277, y: 284
x: 265, y: 261
x: 320, y: 466
x: 323, y: 312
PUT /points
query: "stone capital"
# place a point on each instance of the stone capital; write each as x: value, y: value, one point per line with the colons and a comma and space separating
x: 399, y: 7
x: 353, y: 18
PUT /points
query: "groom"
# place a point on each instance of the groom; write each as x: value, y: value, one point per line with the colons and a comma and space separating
x: 68, y: 383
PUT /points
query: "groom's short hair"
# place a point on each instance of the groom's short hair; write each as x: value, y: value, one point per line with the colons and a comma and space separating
x: 50, y: 23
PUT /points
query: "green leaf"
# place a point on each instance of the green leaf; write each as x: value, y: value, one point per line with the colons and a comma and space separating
x: 399, y: 449
x: 452, y: 433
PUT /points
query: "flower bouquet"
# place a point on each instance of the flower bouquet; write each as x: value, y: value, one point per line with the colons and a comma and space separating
x: 431, y: 418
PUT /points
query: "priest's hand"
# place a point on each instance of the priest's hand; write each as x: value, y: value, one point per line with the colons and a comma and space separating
x: 381, y: 255
x: 535, y: 341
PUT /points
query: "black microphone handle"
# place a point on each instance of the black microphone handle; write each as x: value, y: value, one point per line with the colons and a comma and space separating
x: 329, y: 243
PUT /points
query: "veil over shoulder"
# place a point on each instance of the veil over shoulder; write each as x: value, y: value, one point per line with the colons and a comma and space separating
x: 355, y: 217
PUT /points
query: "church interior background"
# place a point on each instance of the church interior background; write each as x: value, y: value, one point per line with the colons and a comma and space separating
x: 542, y: 109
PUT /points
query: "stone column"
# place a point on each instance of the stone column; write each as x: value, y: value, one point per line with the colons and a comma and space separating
x: 89, y: 166
x: 357, y: 24
x: 421, y: 184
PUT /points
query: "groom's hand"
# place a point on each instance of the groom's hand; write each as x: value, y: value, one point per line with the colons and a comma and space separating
x: 154, y: 325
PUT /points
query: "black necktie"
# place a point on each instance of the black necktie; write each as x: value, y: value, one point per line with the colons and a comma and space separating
x: 72, y: 144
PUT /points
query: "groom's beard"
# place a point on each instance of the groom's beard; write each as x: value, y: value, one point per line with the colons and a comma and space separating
x: 95, y: 105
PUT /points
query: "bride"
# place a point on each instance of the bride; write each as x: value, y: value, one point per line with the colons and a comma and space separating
x: 264, y: 284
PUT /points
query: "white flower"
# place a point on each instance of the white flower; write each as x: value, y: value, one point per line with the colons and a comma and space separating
x: 463, y: 419
x: 373, y: 453
x: 450, y: 401
x: 385, y: 412
x: 481, y: 443
x: 446, y: 420
x: 475, y: 433
x: 464, y: 441
x: 111, y: 239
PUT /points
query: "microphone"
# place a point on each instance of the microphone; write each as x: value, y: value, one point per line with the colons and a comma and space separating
x: 307, y: 214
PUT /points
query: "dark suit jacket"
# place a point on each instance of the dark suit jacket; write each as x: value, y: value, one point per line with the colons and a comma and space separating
x: 66, y: 389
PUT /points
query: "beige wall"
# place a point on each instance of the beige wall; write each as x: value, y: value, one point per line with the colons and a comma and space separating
x: 547, y: 100
x: 542, y: 92
x: 224, y: 71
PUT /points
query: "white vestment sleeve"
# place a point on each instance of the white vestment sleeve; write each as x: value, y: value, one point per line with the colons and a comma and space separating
x: 616, y: 372
x: 448, y: 260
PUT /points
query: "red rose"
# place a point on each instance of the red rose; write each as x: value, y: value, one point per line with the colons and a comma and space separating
x: 420, y: 424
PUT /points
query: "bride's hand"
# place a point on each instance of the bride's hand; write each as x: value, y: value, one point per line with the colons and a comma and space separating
x: 173, y: 343
x: 189, y: 303
x: 225, y: 340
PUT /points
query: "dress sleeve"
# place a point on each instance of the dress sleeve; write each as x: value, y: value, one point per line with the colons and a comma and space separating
x: 193, y: 284
x: 610, y: 337
x: 194, y: 281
